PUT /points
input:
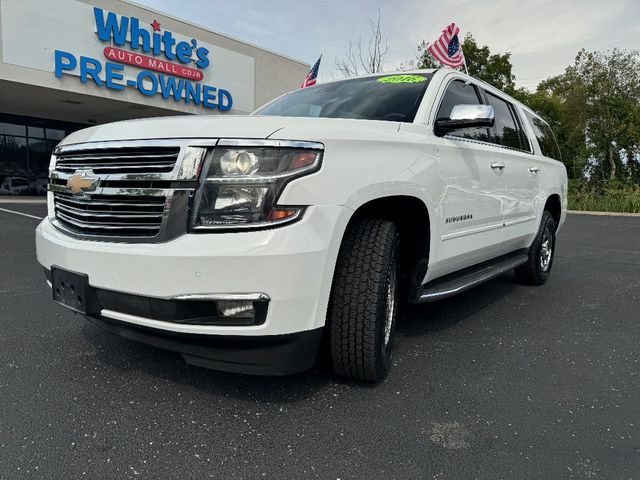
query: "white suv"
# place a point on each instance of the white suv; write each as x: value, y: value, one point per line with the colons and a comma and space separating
x: 244, y: 242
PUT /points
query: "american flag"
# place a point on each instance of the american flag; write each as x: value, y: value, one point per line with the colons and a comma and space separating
x: 310, y: 81
x: 446, y: 49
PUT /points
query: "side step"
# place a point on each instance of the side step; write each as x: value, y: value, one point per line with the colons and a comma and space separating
x: 457, y: 282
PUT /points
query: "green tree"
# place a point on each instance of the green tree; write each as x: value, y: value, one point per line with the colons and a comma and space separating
x: 566, y: 116
x: 495, y: 69
x: 598, y: 112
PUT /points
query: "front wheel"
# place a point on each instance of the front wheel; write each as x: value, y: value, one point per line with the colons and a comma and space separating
x: 538, y: 266
x: 364, y: 300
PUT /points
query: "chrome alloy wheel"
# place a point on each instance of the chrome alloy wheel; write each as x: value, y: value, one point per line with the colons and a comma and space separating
x: 390, y: 313
x: 546, y: 250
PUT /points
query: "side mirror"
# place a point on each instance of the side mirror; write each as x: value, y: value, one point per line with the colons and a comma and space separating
x: 466, y: 116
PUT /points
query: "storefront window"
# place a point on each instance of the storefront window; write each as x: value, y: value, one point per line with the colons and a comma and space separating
x: 13, y: 165
x: 26, y: 145
x: 35, y: 132
x: 55, y: 134
x: 39, y: 155
x: 12, y: 129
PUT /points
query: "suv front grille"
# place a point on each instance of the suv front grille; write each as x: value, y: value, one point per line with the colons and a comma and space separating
x: 121, y: 160
x: 111, y: 215
x: 127, y: 191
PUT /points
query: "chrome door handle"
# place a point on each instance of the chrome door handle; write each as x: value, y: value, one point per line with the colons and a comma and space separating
x: 497, y: 165
x: 534, y: 169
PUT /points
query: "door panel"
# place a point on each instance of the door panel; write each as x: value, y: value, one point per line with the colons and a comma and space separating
x: 521, y: 175
x: 521, y: 199
x: 472, y: 204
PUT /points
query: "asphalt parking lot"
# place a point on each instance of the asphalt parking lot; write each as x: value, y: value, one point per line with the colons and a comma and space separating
x: 502, y: 382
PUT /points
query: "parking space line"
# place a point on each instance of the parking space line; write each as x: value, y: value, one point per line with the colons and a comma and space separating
x: 20, y: 213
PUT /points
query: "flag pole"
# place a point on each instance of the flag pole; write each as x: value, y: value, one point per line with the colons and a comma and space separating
x: 465, y: 61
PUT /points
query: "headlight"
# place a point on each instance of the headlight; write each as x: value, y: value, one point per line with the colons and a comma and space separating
x: 243, y: 180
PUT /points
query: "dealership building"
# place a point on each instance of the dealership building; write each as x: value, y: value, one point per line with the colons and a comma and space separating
x: 68, y: 64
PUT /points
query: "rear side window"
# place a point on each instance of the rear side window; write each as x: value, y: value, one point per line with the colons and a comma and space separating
x: 544, y: 134
x: 505, y: 130
x: 461, y: 93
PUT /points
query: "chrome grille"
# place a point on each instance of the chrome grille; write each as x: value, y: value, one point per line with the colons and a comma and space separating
x: 111, y: 215
x: 120, y: 160
x: 127, y: 190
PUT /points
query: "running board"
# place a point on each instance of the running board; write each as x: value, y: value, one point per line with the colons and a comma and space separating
x: 454, y: 283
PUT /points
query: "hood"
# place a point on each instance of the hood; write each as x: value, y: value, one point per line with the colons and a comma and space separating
x: 218, y: 126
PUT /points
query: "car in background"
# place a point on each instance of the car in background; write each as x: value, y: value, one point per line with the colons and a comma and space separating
x: 14, y: 186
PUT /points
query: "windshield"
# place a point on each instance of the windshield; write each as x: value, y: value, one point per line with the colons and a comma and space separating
x: 386, y: 97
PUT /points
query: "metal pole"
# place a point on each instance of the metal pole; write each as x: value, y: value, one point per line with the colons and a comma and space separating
x: 465, y: 61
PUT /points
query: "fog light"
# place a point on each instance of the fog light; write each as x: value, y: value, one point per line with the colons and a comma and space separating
x: 236, y: 308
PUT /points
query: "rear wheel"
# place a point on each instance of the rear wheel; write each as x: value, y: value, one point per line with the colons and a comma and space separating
x: 538, y: 266
x: 364, y: 300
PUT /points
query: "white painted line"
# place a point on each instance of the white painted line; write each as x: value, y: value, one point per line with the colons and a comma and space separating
x: 22, y: 201
x: 20, y: 213
x: 607, y: 214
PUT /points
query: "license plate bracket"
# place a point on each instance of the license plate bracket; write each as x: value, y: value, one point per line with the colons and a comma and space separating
x: 72, y: 290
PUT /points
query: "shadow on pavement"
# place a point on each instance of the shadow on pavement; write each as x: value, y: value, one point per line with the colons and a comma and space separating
x: 114, y: 352
x: 426, y: 318
x: 415, y: 320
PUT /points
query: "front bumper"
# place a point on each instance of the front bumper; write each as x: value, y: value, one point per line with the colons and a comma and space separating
x: 292, y: 265
x: 265, y: 355
x: 257, y: 355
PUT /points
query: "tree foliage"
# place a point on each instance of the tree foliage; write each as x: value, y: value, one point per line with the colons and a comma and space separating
x: 594, y: 107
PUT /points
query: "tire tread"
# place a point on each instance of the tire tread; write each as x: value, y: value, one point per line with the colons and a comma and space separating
x: 358, y: 294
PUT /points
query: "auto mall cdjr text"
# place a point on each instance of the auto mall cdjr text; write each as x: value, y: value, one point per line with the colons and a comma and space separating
x: 158, y: 76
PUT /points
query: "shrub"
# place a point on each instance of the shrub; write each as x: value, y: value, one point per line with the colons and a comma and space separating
x: 609, y: 197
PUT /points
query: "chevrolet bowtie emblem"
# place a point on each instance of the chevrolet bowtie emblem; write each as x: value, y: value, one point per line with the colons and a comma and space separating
x: 81, y: 182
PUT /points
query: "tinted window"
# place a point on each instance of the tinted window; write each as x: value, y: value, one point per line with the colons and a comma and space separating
x: 460, y: 93
x: 386, y: 97
x: 35, y: 132
x: 12, y: 129
x: 544, y: 134
x: 55, y: 134
x: 13, y: 165
x: 13, y: 155
x: 505, y: 129
x: 39, y: 157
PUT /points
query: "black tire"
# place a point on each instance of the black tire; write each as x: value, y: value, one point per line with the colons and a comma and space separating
x: 363, y: 295
x: 538, y: 267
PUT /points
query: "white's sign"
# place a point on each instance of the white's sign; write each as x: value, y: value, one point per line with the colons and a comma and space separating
x: 84, y: 41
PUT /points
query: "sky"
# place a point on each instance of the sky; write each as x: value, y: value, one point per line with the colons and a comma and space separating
x: 543, y: 36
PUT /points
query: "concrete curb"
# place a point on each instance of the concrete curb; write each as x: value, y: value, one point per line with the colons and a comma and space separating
x: 604, y: 214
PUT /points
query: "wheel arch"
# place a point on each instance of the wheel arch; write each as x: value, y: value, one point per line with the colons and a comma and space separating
x: 412, y: 217
x: 553, y: 205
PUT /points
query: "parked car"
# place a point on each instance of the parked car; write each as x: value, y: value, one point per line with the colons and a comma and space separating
x: 243, y: 242
x: 14, y: 186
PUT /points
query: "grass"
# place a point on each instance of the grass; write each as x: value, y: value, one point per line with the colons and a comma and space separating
x: 619, y: 198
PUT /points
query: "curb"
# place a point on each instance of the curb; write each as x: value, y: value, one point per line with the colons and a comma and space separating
x: 604, y: 214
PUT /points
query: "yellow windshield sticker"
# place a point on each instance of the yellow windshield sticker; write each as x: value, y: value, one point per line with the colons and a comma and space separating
x: 402, y: 79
